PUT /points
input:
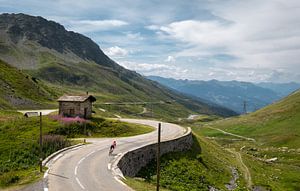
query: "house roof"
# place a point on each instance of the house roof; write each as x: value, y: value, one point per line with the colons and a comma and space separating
x: 73, y: 98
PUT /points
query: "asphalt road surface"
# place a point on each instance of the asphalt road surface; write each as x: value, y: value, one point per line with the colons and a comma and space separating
x: 89, y: 167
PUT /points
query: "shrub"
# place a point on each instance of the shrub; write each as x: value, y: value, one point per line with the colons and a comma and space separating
x: 68, y: 120
x: 9, y: 178
x: 52, y: 143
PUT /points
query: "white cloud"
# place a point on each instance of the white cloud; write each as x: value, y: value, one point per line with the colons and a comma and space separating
x: 85, y: 26
x: 260, y: 34
x: 170, y: 59
x: 116, y: 51
x: 155, y: 69
x: 134, y: 36
x: 152, y: 27
x: 202, y: 33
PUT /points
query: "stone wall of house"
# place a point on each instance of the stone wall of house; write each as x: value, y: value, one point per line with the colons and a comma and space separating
x: 65, y: 107
x: 87, y: 104
x: 132, y: 161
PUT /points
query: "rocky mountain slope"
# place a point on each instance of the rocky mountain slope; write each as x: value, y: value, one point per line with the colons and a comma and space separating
x: 71, y: 62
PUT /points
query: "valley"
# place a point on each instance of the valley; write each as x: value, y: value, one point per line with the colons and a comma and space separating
x: 245, y: 135
x: 239, y: 96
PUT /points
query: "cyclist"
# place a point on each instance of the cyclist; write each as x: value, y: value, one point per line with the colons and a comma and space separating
x: 112, y: 147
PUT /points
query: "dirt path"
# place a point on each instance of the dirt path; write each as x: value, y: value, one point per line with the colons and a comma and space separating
x: 243, y: 167
x: 235, y: 135
x: 144, y: 110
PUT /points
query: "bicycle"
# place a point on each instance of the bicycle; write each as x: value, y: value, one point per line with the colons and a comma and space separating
x: 111, y: 150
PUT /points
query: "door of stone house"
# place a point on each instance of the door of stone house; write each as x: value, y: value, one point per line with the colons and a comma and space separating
x: 85, y: 112
x: 72, y: 112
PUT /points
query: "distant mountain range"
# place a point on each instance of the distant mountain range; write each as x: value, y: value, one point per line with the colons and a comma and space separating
x: 40, y: 60
x: 231, y: 94
x: 282, y: 89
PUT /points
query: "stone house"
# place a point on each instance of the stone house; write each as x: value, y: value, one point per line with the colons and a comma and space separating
x: 72, y: 106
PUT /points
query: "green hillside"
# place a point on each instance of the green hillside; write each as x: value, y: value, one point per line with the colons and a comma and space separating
x: 267, y: 142
x: 263, y: 148
x: 72, y: 63
x: 275, y: 125
x: 20, y: 90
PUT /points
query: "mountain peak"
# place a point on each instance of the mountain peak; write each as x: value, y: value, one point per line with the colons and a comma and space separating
x: 21, y: 27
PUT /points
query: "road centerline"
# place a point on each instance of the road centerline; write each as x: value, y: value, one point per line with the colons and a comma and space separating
x: 75, y: 171
x: 80, y: 183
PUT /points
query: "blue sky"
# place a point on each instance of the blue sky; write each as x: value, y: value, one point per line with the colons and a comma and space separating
x: 197, y: 39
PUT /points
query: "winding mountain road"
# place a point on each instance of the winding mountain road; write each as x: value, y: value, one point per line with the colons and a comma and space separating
x: 89, y: 167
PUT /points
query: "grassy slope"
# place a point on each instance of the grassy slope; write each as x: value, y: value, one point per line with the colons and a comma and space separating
x: 19, y: 142
x: 276, y: 125
x: 206, y: 164
x: 21, y: 90
x: 276, y: 129
x: 273, y: 128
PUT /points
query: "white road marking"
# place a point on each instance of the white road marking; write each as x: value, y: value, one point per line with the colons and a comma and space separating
x: 46, y: 173
x: 45, y: 189
x: 90, y: 153
x: 109, y: 166
x: 80, y: 183
x: 81, y: 160
x: 57, y: 157
x: 75, y: 171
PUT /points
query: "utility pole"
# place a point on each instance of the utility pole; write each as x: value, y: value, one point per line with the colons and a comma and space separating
x: 158, y: 157
x: 245, y: 107
x: 41, y: 145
